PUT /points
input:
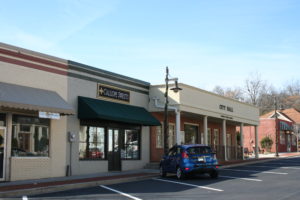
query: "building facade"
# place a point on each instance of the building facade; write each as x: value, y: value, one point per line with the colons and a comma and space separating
x: 32, y: 146
x: 270, y: 126
x: 199, y: 116
x: 59, y: 117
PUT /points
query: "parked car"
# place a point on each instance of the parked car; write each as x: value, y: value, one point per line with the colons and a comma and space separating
x: 191, y: 159
x: 95, y: 153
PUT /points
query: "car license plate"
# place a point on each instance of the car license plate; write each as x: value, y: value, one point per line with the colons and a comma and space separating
x: 200, y: 159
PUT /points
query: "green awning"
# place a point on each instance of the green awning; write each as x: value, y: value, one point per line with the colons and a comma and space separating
x: 91, y: 109
x: 285, y: 126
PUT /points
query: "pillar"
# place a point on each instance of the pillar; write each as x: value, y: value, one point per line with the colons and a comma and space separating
x: 205, y: 130
x: 242, y: 139
x: 224, y: 139
x: 256, y: 142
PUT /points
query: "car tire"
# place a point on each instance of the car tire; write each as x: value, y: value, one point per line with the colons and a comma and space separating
x: 179, y: 174
x: 162, y: 172
x: 214, y: 174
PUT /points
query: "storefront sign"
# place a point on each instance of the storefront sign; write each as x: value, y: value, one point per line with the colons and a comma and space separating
x: 49, y: 115
x: 223, y: 107
x: 109, y: 92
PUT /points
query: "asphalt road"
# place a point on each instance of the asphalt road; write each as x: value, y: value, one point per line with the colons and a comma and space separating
x: 276, y: 180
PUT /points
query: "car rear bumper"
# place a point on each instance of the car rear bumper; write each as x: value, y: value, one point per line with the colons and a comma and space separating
x: 198, y: 169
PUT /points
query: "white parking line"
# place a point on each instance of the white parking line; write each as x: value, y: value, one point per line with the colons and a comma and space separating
x: 192, y: 185
x: 285, y: 163
x: 264, y: 166
x: 122, y: 193
x: 290, y: 167
x: 247, y: 179
x: 24, y: 198
x: 241, y: 170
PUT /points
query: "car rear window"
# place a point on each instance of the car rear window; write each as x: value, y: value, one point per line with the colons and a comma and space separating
x: 199, y: 150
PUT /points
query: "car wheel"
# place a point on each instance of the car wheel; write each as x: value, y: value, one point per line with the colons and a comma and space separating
x: 214, y: 174
x: 162, y: 172
x: 180, y: 175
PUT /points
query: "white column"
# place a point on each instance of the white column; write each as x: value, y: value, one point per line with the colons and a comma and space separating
x: 8, y: 146
x: 256, y: 142
x: 205, y: 130
x: 242, y: 139
x: 178, y: 135
x: 224, y: 139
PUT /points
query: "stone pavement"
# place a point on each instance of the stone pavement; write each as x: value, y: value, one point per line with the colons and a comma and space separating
x: 37, y: 186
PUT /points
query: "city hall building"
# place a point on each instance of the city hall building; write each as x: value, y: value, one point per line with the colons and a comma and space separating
x: 199, y: 116
x: 62, y: 118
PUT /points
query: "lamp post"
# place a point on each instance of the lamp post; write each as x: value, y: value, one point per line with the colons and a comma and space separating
x: 276, y: 128
x: 166, y: 124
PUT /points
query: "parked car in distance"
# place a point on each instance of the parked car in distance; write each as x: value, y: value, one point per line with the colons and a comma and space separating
x: 189, y: 159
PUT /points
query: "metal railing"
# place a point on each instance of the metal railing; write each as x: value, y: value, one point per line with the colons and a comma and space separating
x: 233, y: 152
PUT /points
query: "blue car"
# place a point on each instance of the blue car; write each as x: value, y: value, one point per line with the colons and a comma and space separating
x: 190, y: 159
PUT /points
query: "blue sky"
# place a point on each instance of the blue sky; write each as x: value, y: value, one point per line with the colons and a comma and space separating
x: 204, y: 42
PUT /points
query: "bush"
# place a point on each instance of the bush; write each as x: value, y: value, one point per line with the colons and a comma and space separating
x: 266, y: 143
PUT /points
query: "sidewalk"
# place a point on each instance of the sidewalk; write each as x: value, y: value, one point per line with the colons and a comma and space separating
x: 37, y: 186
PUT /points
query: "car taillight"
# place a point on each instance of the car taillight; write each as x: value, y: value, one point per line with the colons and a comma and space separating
x: 184, y: 155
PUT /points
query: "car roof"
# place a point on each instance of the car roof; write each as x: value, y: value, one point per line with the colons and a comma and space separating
x: 186, y: 146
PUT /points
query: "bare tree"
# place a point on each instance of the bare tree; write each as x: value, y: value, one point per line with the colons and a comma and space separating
x: 234, y: 93
x: 293, y: 88
x: 254, y: 87
x: 218, y: 90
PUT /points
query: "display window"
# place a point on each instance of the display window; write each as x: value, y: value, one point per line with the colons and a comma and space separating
x: 30, y: 136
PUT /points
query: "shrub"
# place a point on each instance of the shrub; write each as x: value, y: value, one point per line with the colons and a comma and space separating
x: 266, y: 143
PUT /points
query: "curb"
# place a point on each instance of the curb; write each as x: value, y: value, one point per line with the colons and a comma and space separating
x: 59, y: 188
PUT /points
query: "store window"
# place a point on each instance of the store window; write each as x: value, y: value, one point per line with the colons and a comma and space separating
x: 172, y: 136
x: 191, y: 132
x: 2, y: 119
x: 216, y: 137
x: 159, y: 137
x: 282, y: 137
x: 131, y: 148
x: 294, y: 140
x: 209, y: 136
x: 30, y: 136
x: 91, y: 143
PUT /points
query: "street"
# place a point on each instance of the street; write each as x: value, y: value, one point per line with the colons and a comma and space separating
x: 276, y: 179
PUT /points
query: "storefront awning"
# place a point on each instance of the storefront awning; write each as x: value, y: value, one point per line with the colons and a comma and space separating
x: 27, y: 98
x: 98, y: 109
x: 285, y: 126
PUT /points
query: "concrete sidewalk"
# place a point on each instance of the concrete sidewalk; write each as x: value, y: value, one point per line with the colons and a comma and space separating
x: 38, y: 186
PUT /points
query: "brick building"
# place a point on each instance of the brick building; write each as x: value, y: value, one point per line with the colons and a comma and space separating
x: 199, y: 116
x: 285, y: 126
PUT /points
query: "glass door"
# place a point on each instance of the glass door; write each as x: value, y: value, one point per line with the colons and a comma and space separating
x: 114, y: 156
x: 2, y: 152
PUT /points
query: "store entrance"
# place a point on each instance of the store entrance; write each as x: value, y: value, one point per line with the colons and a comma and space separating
x: 2, y: 152
x: 114, y: 155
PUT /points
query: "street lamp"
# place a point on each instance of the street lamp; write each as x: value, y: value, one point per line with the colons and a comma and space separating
x: 276, y: 128
x: 166, y: 124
